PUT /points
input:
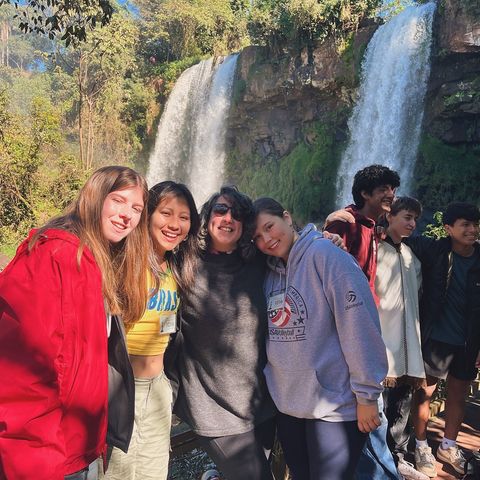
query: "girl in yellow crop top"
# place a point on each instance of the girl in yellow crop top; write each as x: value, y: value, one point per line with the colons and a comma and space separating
x: 173, y: 226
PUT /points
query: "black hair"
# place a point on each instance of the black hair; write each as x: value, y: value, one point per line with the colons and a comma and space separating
x: 182, y: 260
x: 267, y: 205
x: 244, y: 208
x: 456, y: 210
x: 371, y: 177
x: 406, y: 203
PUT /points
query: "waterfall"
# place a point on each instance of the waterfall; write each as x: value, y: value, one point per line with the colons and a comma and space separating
x: 386, y: 121
x: 190, y: 143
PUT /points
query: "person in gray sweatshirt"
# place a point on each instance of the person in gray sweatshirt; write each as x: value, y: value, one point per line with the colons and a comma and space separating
x: 325, y: 355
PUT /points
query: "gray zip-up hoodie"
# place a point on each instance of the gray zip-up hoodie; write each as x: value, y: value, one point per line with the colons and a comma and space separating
x: 325, y: 350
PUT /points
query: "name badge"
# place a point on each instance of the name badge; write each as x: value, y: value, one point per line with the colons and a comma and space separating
x: 275, y: 302
x: 168, y: 323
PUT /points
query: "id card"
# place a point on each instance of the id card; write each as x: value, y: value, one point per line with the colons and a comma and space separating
x: 168, y: 323
x: 276, y: 301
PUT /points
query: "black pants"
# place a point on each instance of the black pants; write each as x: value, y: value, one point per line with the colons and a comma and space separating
x: 398, y: 401
x: 242, y: 456
x: 319, y: 450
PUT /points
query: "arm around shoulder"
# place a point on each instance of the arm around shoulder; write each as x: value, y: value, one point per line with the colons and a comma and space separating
x: 424, y: 248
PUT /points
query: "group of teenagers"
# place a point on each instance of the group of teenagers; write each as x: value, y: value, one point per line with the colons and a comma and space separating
x: 132, y: 304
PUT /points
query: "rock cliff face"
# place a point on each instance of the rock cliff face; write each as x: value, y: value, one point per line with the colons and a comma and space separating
x: 281, y: 102
x: 448, y: 167
x: 288, y: 122
x: 276, y: 96
x: 453, y: 101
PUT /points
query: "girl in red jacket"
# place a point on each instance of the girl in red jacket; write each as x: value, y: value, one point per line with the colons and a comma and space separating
x: 56, y: 301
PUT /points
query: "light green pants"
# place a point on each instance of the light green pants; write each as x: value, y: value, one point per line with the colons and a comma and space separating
x: 148, y: 454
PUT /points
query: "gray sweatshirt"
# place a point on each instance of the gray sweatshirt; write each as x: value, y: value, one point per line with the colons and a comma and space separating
x: 325, y: 350
x: 220, y: 366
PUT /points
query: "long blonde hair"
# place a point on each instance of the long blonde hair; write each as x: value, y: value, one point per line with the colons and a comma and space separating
x: 123, y: 265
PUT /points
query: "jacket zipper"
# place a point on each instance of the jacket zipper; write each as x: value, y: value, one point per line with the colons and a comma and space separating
x: 405, y: 351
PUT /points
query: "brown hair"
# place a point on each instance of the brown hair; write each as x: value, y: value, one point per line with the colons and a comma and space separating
x: 123, y: 265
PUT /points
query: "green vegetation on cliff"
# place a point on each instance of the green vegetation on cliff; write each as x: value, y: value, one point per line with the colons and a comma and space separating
x: 300, y: 22
x: 446, y: 173
x: 303, y: 181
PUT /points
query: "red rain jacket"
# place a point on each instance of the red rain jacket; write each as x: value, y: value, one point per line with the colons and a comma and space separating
x: 53, y: 361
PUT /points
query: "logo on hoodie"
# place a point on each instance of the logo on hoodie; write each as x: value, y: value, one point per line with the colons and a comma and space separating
x: 350, y: 299
x: 287, y: 315
x: 350, y: 296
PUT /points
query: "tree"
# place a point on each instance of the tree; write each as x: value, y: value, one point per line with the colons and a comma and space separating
x: 37, y: 180
x: 99, y: 66
x: 5, y: 29
x: 69, y: 19
x: 277, y: 22
x: 175, y: 29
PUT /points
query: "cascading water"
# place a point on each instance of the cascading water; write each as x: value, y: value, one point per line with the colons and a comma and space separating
x: 386, y: 121
x: 190, y: 143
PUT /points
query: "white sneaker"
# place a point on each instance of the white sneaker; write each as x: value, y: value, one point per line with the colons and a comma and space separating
x: 425, y: 461
x: 211, y: 475
x: 408, y: 472
x: 453, y: 456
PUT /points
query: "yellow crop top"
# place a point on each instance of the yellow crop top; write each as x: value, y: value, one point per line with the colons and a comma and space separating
x: 150, y: 335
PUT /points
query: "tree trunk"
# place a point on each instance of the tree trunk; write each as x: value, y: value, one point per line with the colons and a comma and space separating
x: 81, y: 102
x: 90, y: 103
x: 4, y: 38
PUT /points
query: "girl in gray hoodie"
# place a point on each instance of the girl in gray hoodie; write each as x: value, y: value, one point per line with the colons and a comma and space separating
x: 326, y: 357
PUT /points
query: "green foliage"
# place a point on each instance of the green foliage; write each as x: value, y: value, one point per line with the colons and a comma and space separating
x: 174, y: 29
x: 390, y: 8
x: 446, y: 173
x: 436, y: 229
x: 170, y: 71
x: 136, y: 110
x: 467, y: 92
x: 37, y: 180
x: 275, y: 23
x: 471, y: 7
x: 239, y: 88
x: 69, y: 19
x: 303, y: 181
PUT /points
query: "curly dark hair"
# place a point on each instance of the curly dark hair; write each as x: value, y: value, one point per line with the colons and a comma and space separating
x: 371, y: 177
x: 244, y: 206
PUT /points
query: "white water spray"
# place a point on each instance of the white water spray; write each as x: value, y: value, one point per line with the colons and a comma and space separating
x: 190, y: 143
x: 386, y: 121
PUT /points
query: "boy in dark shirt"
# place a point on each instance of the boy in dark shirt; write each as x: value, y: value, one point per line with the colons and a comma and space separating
x: 449, y: 313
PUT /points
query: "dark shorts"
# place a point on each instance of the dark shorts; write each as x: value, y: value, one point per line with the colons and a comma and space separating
x: 442, y: 359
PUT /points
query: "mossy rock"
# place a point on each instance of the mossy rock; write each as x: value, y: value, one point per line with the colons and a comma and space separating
x: 446, y: 172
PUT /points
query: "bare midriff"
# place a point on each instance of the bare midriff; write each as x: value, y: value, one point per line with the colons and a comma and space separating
x: 147, y: 366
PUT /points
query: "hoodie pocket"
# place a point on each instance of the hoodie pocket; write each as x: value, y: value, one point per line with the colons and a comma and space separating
x: 300, y: 394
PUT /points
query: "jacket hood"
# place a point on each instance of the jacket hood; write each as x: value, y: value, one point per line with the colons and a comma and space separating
x: 305, y: 239
x: 60, y: 234
x: 359, y: 218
